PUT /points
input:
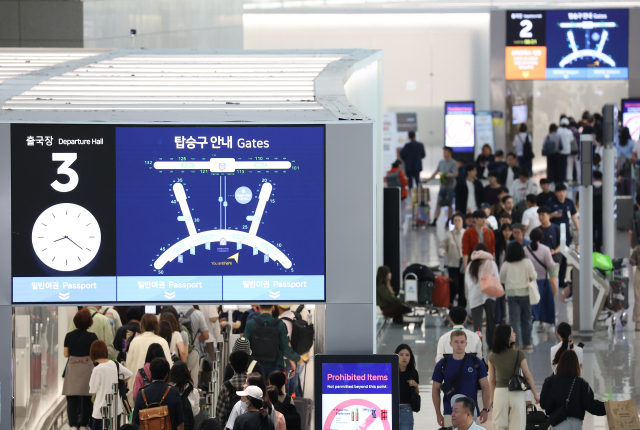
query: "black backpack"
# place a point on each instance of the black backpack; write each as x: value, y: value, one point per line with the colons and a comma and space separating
x: 302, y: 333
x: 291, y: 415
x: 189, y: 420
x: 233, y: 397
x: 527, y: 149
x: 185, y: 320
x: 423, y: 272
x: 265, y: 341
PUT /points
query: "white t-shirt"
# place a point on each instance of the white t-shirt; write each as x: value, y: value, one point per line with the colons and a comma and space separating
x: 510, y: 178
x: 176, y: 338
x: 554, y: 351
x: 636, y: 148
x: 566, y: 136
x: 530, y: 218
x: 211, y: 311
x: 102, y: 379
x: 471, y: 197
x: 474, y: 426
x: 474, y: 344
x: 241, y: 408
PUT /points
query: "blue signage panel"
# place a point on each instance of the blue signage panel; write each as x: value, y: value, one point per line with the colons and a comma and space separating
x: 64, y: 289
x: 199, y: 214
x: 459, y: 122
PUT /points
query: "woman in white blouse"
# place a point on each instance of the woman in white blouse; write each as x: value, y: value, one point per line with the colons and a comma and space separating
x: 176, y: 346
x: 482, y: 263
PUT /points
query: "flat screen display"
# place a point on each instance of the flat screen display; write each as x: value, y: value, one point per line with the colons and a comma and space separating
x: 358, y: 395
x: 567, y: 44
x: 631, y: 117
x: 459, y: 119
x: 519, y: 114
x: 106, y: 213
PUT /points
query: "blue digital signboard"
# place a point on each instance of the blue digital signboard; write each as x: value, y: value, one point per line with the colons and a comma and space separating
x: 167, y: 214
x: 567, y: 44
x: 459, y: 123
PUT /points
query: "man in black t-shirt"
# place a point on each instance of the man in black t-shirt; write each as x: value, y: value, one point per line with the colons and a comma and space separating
x: 551, y: 238
x: 545, y: 195
x: 127, y: 332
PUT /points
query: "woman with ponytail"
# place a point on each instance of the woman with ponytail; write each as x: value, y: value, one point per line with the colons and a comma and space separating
x: 257, y: 415
x: 540, y: 256
x: 564, y: 333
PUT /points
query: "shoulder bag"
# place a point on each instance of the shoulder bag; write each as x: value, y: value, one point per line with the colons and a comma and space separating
x: 517, y: 382
x: 122, y: 391
x: 560, y: 414
x: 451, y: 387
x: 490, y: 284
x: 546, y: 269
x: 534, y: 292
x: 416, y: 401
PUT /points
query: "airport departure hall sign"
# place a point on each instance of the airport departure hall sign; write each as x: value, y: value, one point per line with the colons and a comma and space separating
x: 567, y: 44
x: 106, y: 213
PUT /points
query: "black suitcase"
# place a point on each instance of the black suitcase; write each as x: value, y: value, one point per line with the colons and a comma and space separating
x: 305, y: 409
x: 202, y: 415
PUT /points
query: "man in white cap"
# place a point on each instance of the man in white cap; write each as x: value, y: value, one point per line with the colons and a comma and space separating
x: 256, y: 417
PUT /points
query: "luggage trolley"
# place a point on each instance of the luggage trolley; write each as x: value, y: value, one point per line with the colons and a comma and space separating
x: 618, y: 299
x: 419, y: 295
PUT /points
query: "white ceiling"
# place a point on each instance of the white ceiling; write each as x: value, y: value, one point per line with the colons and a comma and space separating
x: 390, y: 6
x: 176, y: 85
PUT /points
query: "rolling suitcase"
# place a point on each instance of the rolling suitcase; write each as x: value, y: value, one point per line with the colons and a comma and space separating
x: 441, y: 292
x: 305, y: 409
x: 203, y: 414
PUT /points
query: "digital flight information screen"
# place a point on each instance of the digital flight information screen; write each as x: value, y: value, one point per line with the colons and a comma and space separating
x: 459, y: 123
x: 106, y: 213
x: 567, y: 44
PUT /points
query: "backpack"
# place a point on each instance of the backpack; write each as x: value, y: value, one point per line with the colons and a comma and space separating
x: 185, y: 321
x: 527, y: 149
x: 156, y: 418
x: 476, y: 365
x: 549, y: 147
x: 189, y: 420
x: 184, y: 329
x: 393, y: 180
x: 265, y: 341
x: 251, y: 315
x: 302, y: 333
x: 145, y: 379
x: 291, y: 415
x: 233, y: 397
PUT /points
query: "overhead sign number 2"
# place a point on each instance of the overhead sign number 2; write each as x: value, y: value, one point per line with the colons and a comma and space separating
x: 526, y: 25
x: 67, y: 158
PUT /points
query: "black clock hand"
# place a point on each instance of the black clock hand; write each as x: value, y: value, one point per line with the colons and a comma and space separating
x: 64, y: 237
x: 73, y: 242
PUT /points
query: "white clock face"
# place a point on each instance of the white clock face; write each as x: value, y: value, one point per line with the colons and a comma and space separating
x: 66, y: 237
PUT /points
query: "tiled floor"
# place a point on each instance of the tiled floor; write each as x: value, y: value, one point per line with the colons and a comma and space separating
x: 611, y: 359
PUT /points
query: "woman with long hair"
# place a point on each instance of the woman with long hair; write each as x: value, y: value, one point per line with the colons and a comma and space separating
x: 253, y: 379
x: 176, y: 343
x: 502, y: 240
x: 256, y: 417
x: 566, y: 392
x: 566, y: 344
x: 515, y: 275
x: 409, y: 381
x: 451, y: 250
x: 386, y: 299
x: 482, y: 264
x: 180, y: 377
x: 540, y: 256
x: 143, y: 374
x: 509, y: 407
x: 273, y: 392
x: 77, y: 374
x: 104, y: 375
x: 139, y: 346
x: 484, y: 159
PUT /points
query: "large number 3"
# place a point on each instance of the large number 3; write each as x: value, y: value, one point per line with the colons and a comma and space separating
x: 526, y: 25
x: 67, y: 158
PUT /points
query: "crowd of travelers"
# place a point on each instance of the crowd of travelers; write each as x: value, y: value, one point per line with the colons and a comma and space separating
x: 162, y: 363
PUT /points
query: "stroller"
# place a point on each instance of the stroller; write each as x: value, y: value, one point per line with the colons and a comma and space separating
x: 618, y: 299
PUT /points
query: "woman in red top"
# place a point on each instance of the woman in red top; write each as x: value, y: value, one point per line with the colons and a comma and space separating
x: 396, y: 167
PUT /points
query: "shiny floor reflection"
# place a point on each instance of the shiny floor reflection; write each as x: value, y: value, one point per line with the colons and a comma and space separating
x: 611, y: 360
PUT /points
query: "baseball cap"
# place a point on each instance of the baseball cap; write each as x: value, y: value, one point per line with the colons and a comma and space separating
x: 242, y: 344
x: 285, y: 307
x: 564, y: 121
x: 485, y: 206
x: 251, y: 391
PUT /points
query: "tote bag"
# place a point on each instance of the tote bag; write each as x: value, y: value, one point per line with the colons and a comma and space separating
x: 490, y: 284
x: 534, y: 292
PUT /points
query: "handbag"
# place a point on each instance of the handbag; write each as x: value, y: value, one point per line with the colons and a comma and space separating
x: 517, y: 382
x: 560, y: 414
x: 122, y: 391
x: 534, y: 292
x: 416, y: 401
x: 536, y: 419
x: 490, y: 284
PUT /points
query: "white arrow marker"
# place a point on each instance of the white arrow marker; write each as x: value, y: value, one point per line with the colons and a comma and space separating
x: 169, y: 295
x: 274, y: 294
x: 63, y: 296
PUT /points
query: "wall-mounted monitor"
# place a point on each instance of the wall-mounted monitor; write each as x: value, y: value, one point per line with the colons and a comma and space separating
x: 356, y: 392
x: 631, y: 117
x: 519, y: 114
x: 567, y: 44
x: 459, y: 126
x: 106, y: 213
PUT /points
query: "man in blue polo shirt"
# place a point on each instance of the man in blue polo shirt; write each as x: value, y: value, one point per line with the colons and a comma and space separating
x: 561, y: 209
x: 462, y: 373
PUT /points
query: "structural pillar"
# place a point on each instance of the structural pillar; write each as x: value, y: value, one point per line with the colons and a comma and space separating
x: 608, y: 179
x: 586, y: 236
